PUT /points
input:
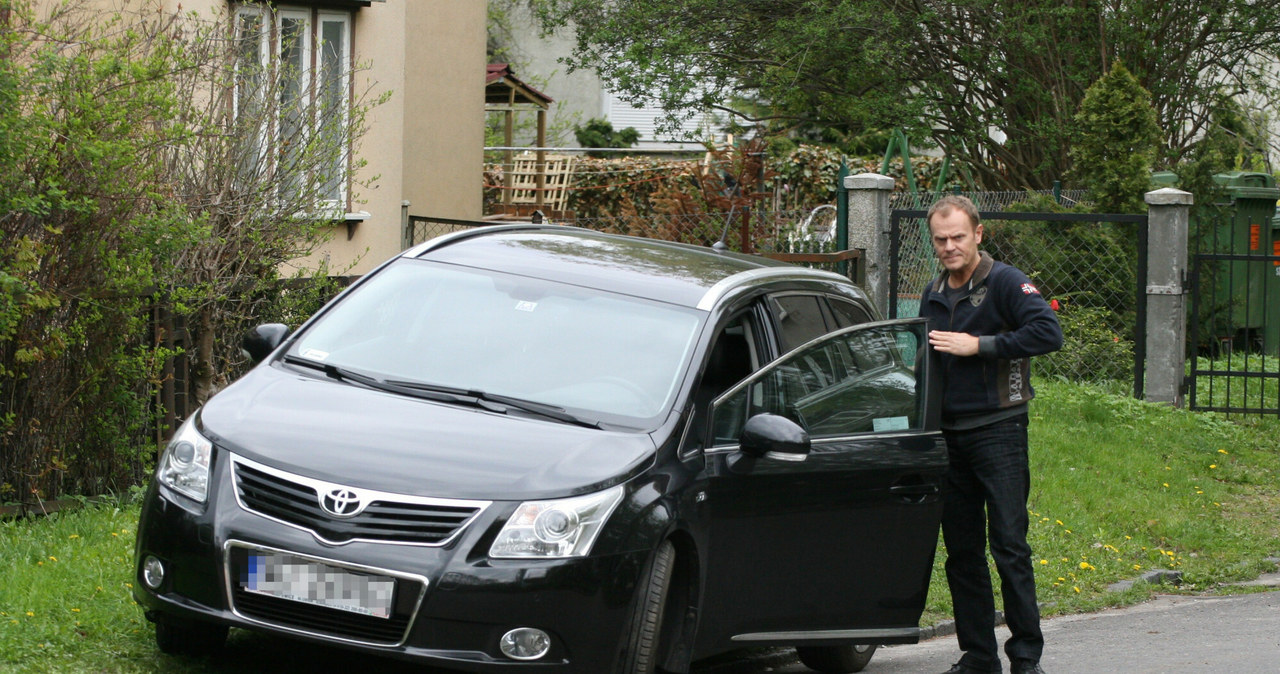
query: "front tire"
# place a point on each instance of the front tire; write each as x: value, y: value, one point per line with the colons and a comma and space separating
x: 640, y: 654
x: 836, y: 659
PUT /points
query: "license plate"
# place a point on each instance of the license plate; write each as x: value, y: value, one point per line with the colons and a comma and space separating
x: 310, y: 582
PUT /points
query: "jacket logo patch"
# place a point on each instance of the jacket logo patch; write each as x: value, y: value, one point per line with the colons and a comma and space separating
x: 1029, y: 289
x: 1015, y: 380
x: 978, y: 295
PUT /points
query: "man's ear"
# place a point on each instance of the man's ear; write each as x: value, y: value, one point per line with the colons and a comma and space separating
x: 977, y: 233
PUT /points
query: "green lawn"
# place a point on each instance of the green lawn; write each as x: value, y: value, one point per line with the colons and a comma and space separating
x: 1119, y: 487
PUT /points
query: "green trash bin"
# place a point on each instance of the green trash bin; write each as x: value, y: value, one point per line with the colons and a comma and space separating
x: 1241, y: 290
x: 1247, y: 231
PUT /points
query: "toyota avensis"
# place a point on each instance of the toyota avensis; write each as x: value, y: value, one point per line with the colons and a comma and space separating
x: 545, y: 448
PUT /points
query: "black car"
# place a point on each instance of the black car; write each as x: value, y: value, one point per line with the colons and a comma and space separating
x: 539, y: 447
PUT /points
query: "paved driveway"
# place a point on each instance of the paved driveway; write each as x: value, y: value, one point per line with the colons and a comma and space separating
x: 1238, y: 634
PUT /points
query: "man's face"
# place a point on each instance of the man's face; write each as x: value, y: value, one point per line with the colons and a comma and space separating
x: 955, y: 241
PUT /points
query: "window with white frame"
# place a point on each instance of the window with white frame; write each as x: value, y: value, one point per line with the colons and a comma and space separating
x: 292, y: 90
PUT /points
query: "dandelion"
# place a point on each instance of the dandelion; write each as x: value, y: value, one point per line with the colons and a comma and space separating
x: 1067, y: 530
x: 73, y: 536
x: 1212, y: 466
x: 1199, y: 492
x: 1110, y: 547
x: 1060, y: 578
x: 1086, y: 566
x: 1044, y: 561
x: 52, y: 558
x: 31, y: 614
x: 1128, y: 538
x: 114, y: 534
x: 1059, y: 522
x: 1223, y: 451
x: 1166, y: 485
x: 129, y: 585
x: 39, y: 563
x: 1076, y: 589
x: 1137, y: 567
x: 75, y: 610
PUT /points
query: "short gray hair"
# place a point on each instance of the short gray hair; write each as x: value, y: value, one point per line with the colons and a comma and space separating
x: 946, y: 204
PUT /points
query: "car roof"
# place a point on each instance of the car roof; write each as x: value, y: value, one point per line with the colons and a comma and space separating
x: 676, y: 273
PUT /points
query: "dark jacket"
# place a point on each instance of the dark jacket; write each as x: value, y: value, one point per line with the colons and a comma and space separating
x: 1012, y: 321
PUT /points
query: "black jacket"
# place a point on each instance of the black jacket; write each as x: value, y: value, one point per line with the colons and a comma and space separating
x: 1012, y: 321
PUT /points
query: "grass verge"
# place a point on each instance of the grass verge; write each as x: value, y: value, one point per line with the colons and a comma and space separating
x: 1119, y: 487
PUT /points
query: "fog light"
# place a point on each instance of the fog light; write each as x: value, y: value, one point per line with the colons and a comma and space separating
x: 152, y: 572
x: 525, y: 643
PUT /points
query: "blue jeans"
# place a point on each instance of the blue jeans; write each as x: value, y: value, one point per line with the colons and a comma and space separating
x: 987, y: 489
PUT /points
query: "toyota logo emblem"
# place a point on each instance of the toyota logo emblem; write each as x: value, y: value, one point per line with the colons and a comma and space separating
x: 340, y: 502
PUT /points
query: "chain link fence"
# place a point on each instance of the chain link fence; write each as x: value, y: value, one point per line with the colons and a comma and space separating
x: 1086, y: 265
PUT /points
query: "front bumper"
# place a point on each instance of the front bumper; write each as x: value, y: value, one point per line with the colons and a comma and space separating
x: 453, y: 603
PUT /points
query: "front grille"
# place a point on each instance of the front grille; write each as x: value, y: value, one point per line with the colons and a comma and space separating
x: 322, y: 620
x: 388, y: 518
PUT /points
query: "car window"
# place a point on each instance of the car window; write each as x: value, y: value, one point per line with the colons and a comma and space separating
x: 847, y: 313
x: 613, y: 357
x: 799, y: 319
x: 858, y: 380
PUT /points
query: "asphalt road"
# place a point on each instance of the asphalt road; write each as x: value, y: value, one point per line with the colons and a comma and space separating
x: 1172, y: 633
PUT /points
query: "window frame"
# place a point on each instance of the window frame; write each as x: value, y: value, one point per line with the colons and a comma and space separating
x: 271, y: 61
x: 925, y: 394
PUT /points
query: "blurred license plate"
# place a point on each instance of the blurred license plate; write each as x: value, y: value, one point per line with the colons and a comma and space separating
x: 310, y: 582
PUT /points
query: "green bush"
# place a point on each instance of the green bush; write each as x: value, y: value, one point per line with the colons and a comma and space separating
x: 1091, y: 349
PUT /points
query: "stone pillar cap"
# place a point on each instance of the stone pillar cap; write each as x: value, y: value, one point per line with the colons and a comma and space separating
x: 868, y: 181
x: 1168, y: 196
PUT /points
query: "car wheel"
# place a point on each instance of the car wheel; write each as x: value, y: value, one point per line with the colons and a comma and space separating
x: 836, y: 659
x: 640, y: 654
x: 187, y: 637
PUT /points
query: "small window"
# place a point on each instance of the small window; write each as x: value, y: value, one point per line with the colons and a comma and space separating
x: 292, y: 95
x: 848, y: 314
x: 799, y: 319
x: 861, y: 380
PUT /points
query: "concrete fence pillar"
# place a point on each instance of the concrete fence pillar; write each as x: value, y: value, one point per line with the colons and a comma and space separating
x: 869, y: 231
x: 1168, y: 211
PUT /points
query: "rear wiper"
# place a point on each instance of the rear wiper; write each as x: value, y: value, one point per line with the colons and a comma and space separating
x: 531, y: 406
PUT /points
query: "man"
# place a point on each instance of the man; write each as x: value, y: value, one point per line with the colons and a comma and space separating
x: 986, y: 320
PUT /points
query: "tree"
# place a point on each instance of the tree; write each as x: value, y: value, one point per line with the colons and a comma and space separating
x: 130, y: 179
x: 994, y: 83
x: 1116, y: 141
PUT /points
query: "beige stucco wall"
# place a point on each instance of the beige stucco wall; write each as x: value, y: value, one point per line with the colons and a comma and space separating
x: 425, y: 144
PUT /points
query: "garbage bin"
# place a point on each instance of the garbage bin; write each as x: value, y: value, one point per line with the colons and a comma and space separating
x: 1237, y: 295
x: 1247, y: 230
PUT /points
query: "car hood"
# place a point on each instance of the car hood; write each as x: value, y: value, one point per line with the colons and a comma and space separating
x: 359, y: 437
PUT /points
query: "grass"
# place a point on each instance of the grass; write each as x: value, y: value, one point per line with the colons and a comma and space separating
x: 1120, y: 487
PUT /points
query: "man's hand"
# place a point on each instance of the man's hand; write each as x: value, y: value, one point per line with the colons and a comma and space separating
x: 954, y: 343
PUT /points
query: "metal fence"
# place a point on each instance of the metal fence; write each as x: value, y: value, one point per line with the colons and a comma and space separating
x: 1090, y: 266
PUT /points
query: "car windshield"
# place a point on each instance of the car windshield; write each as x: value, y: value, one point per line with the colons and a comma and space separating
x: 611, y: 357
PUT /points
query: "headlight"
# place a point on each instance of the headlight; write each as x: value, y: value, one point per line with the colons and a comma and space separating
x: 184, y: 466
x: 561, y: 528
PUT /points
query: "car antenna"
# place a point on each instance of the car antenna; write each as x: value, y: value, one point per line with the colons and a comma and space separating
x: 731, y: 189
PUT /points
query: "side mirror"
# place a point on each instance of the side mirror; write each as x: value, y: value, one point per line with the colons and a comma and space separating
x: 262, y: 340
x: 774, y: 437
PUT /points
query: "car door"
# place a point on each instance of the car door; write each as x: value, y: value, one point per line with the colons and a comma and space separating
x: 840, y: 545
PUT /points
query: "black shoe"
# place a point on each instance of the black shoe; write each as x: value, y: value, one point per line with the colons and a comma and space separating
x: 961, y: 668
x: 1025, y: 667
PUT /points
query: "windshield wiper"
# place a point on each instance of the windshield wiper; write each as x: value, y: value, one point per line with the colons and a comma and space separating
x: 531, y: 406
x: 440, y: 393
x: 346, y: 374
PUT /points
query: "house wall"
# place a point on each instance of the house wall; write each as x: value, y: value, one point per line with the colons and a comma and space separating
x: 580, y: 95
x: 423, y: 145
